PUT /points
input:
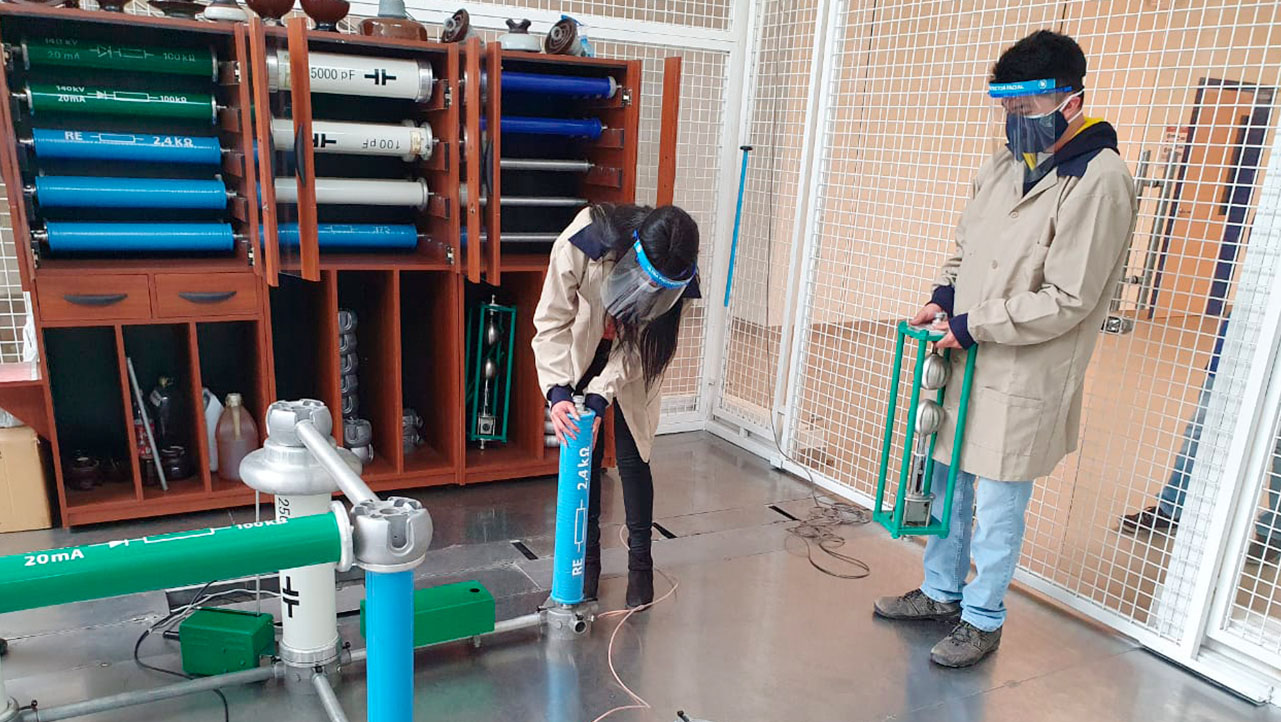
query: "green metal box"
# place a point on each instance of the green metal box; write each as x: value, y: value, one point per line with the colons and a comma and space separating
x: 216, y: 641
x: 451, y: 611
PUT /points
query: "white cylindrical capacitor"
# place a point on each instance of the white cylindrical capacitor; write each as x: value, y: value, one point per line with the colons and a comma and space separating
x: 408, y: 141
x: 358, y: 192
x: 308, y: 597
x: 335, y: 74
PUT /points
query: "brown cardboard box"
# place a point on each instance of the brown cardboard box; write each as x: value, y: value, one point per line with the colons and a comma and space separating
x: 24, y: 501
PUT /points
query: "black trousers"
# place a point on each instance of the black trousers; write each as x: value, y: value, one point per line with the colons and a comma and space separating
x: 637, y: 482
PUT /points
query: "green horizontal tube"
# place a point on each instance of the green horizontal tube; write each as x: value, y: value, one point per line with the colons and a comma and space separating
x: 85, y: 100
x: 76, y: 53
x: 128, y: 566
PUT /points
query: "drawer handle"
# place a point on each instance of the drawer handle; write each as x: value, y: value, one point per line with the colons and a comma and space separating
x: 94, y: 299
x: 206, y: 296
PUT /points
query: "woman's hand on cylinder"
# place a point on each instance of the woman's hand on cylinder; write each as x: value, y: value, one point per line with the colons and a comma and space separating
x: 596, y: 431
x: 565, y: 420
x: 926, y: 314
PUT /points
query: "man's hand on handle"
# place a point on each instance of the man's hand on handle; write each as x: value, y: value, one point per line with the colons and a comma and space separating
x: 927, y: 316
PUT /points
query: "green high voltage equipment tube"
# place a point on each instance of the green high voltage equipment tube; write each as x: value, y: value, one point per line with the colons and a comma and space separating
x: 75, y: 53
x: 128, y: 566
x: 85, y: 100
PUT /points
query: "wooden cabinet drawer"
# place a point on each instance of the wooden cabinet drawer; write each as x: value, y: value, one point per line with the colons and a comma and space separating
x: 94, y: 297
x: 206, y: 294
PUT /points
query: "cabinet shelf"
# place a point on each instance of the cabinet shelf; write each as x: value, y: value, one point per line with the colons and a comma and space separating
x: 245, y: 321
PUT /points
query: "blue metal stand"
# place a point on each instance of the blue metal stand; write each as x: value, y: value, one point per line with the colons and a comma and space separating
x: 389, y: 633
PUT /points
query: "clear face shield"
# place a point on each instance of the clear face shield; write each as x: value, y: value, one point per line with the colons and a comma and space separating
x: 636, y: 292
x: 1032, y: 113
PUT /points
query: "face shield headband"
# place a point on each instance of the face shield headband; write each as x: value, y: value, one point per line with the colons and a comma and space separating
x: 637, y: 292
x: 1028, y: 133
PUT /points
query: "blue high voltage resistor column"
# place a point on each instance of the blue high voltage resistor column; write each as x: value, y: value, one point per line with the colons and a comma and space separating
x: 96, y: 192
x: 124, y: 147
x: 98, y: 237
x: 354, y: 235
x: 568, y: 127
x: 389, y: 632
x: 571, y: 511
x: 567, y: 85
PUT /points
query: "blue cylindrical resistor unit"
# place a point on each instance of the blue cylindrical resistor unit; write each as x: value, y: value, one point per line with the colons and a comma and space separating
x: 355, y: 235
x: 94, y: 237
x: 572, y: 487
x: 389, y: 634
x: 92, y: 145
x: 565, y: 85
x: 99, y: 192
x: 568, y: 127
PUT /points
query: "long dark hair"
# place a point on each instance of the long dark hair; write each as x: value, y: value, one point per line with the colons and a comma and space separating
x: 670, y: 239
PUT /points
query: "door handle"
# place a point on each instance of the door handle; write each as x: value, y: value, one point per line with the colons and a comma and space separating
x: 206, y: 296
x: 94, y: 299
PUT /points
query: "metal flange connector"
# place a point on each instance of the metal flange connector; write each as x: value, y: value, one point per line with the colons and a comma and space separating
x: 390, y: 535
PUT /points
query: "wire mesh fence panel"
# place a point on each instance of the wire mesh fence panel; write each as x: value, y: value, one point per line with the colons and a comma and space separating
x: 907, y: 124
x: 777, y: 115
x: 702, y: 125
x: 703, y: 14
x: 1150, y: 465
x: 14, y: 310
x: 1254, y: 610
x: 1190, y: 88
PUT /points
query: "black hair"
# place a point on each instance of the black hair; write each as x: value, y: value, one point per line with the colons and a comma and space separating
x: 670, y: 239
x: 1043, y: 54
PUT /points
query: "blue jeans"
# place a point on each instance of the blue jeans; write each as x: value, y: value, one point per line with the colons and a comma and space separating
x: 995, y: 542
x: 1267, y: 526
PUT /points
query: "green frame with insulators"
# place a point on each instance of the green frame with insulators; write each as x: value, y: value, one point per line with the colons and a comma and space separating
x: 892, y: 518
x: 503, y: 357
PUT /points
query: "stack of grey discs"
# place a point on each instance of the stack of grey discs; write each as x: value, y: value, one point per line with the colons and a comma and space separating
x: 549, y: 430
x: 357, y: 432
x: 358, y: 436
x: 411, y: 428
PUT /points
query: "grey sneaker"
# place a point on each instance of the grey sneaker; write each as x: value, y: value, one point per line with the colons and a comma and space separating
x: 965, y: 646
x: 915, y: 606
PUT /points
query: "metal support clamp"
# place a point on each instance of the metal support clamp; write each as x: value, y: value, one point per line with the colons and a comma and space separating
x: 391, y: 535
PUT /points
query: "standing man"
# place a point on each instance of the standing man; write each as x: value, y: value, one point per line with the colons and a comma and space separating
x: 1038, y: 253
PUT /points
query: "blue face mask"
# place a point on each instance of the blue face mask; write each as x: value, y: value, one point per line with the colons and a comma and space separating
x: 1035, y: 133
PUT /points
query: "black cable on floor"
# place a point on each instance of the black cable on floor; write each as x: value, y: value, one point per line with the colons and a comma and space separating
x: 226, y: 708
x: 819, y: 529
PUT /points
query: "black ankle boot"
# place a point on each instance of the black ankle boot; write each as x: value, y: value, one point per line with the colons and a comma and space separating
x: 591, y: 574
x: 640, y: 579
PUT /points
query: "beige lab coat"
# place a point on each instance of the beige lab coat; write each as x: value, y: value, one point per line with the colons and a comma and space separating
x: 1035, y: 274
x: 569, y: 324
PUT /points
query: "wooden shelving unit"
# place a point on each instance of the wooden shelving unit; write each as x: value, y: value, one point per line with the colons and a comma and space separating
x: 261, y: 319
